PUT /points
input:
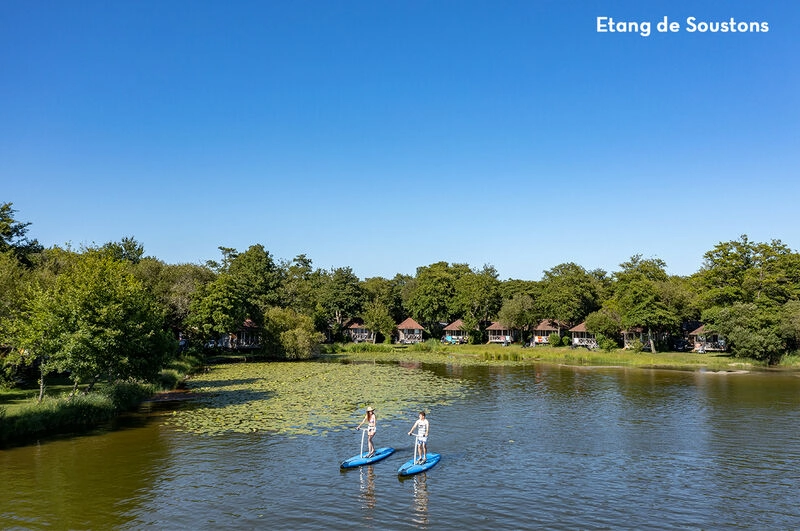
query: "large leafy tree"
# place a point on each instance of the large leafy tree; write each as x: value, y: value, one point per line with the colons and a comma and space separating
x: 14, y: 236
x: 95, y: 321
x: 12, y: 284
x: 174, y: 286
x: 127, y: 249
x: 519, y: 313
x: 746, y: 271
x: 747, y: 292
x: 378, y: 320
x: 256, y: 279
x: 568, y: 294
x: 512, y: 287
x: 429, y: 296
x: 298, y: 288
x: 751, y: 330
x: 388, y: 293
x: 290, y: 335
x: 605, y: 322
x: 246, y: 284
x: 340, y: 297
x: 477, y: 297
x: 638, y: 296
x: 216, y: 308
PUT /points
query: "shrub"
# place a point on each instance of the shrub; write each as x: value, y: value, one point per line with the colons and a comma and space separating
x: 554, y: 340
x: 606, y: 343
x: 566, y: 341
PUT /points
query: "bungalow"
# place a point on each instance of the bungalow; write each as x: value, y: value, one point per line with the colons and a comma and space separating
x: 501, y: 334
x: 542, y: 331
x: 631, y: 335
x: 454, y: 332
x: 581, y: 337
x: 248, y: 337
x: 358, y: 334
x: 409, y: 331
x: 704, y: 342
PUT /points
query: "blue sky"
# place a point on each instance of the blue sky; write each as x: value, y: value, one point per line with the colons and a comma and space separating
x: 386, y: 135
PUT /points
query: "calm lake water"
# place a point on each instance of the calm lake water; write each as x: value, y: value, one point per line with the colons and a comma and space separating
x: 529, y: 447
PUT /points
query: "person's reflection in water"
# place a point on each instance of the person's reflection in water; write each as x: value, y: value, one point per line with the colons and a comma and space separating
x: 421, y: 499
x: 368, y: 487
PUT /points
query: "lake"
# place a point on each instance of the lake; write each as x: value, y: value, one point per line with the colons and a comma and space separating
x: 529, y: 446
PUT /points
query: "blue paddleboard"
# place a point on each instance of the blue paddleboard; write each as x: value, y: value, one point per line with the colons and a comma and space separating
x: 409, y: 468
x: 361, y: 460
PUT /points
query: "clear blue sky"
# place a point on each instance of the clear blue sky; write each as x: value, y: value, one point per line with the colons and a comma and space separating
x: 387, y: 135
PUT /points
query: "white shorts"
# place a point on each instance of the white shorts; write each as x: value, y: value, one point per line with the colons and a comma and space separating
x: 422, y: 440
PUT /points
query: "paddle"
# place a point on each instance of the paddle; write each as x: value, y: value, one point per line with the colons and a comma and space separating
x: 363, y: 432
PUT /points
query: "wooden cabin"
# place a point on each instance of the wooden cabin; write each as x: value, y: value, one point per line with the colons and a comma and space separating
x: 582, y: 338
x: 247, y: 337
x: 541, y: 333
x: 706, y: 342
x: 357, y: 333
x: 501, y: 334
x: 631, y: 335
x: 454, y: 332
x: 409, y: 331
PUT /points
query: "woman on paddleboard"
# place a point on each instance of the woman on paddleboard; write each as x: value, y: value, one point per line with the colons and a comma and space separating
x: 371, y: 421
x: 423, y: 429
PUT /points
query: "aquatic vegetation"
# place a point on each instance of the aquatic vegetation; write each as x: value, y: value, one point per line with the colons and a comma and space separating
x: 297, y: 398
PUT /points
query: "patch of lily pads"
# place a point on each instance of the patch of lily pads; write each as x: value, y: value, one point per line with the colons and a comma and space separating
x: 297, y: 398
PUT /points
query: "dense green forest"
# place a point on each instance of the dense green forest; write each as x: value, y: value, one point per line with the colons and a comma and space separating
x: 111, y: 312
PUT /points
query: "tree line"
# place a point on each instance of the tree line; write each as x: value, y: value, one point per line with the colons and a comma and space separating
x: 110, y: 312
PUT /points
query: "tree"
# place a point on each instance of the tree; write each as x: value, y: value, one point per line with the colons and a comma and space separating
x: 377, y: 320
x: 429, y: 296
x: 387, y: 292
x: 750, y: 330
x: 605, y: 321
x: 568, y: 294
x: 298, y: 288
x: 174, y: 286
x: 96, y: 321
x: 125, y: 250
x: 638, y: 297
x: 290, y: 335
x: 745, y: 271
x: 256, y: 280
x: 340, y: 297
x: 216, y: 308
x: 477, y: 297
x: 519, y: 313
x: 13, y: 236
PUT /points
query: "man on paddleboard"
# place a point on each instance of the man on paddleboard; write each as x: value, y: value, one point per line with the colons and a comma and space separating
x: 372, y: 427
x: 423, y: 429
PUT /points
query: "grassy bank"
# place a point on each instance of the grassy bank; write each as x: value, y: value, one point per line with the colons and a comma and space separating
x: 436, y: 352
x: 24, y: 419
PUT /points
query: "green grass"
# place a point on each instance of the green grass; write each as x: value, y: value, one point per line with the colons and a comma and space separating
x: 23, y: 418
x: 435, y: 352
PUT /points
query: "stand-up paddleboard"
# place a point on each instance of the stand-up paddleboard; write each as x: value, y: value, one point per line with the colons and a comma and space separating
x: 361, y: 459
x: 411, y: 467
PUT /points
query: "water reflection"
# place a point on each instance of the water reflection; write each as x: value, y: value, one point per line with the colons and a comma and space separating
x: 421, y: 499
x: 367, y: 477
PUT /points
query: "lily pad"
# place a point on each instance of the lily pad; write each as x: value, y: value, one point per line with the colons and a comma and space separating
x: 297, y: 398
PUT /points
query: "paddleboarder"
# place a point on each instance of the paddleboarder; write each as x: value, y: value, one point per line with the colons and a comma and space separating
x: 371, y: 420
x: 423, y: 429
